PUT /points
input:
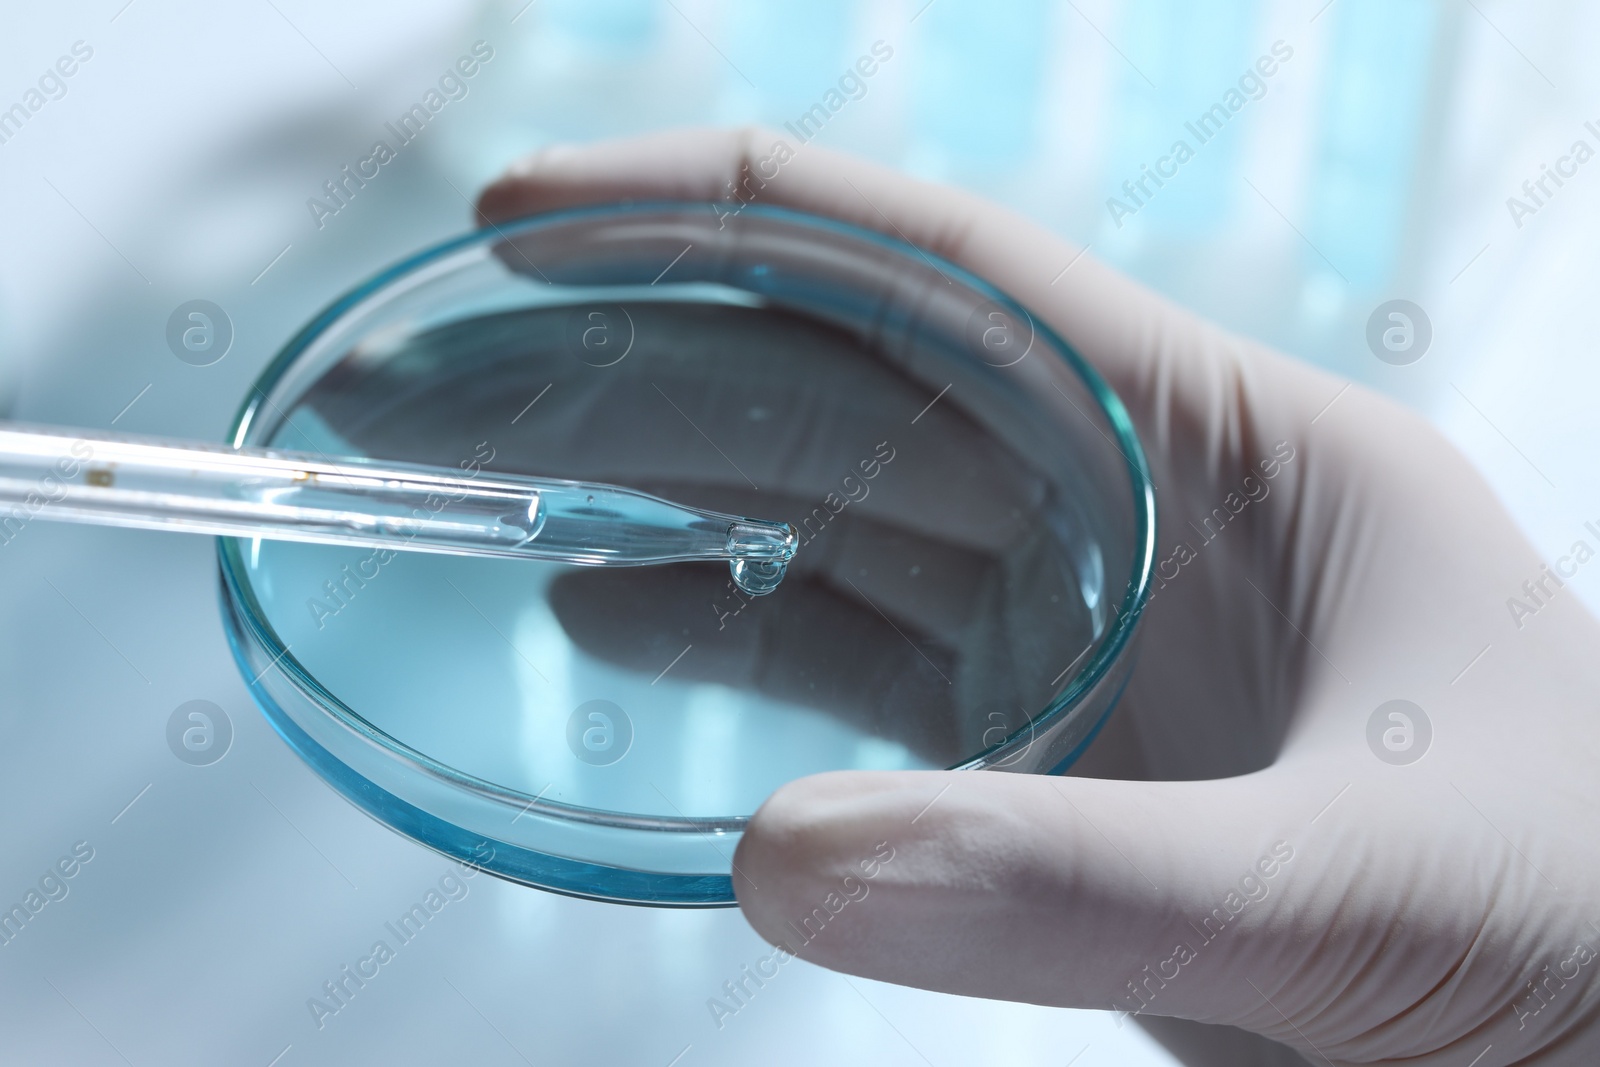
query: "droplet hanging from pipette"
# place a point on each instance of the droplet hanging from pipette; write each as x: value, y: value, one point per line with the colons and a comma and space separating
x: 757, y: 577
x: 761, y: 554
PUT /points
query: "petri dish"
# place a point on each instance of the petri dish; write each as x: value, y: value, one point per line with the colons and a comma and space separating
x: 976, y: 518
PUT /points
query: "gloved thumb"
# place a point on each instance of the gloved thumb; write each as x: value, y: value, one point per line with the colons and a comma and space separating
x: 1075, y: 892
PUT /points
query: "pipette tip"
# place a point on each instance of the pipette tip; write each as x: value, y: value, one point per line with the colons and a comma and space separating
x: 761, y: 553
x: 751, y: 539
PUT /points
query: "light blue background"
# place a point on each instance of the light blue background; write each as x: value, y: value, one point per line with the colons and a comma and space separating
x: 177, y: 167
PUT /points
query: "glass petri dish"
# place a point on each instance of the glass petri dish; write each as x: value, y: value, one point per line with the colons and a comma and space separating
x: 976, y: 518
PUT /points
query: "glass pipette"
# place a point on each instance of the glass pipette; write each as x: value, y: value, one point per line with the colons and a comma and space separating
x: 115, y: 480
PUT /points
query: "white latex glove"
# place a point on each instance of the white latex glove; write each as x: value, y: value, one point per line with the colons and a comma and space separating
x: 1247, y: 858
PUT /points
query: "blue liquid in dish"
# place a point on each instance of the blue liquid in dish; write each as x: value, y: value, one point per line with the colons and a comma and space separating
x: 943, y: 583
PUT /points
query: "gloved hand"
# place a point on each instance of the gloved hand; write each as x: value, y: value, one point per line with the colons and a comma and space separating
x: 1253, y: 850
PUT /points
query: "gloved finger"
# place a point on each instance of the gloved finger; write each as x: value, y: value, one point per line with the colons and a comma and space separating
x: 1005, y: 886
x: 1209, y: 901
x: 915, y: 531
x: 1182, y: 378
x: 856, y: 630
x: 801, y: 645
x: 681, y: 401
x: 1191, y: 390
x: 810, y: 421
x: 1216, y: 415
x: 1241, y: 618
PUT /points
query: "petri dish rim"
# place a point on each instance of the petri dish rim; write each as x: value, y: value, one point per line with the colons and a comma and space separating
x: 236, y: 585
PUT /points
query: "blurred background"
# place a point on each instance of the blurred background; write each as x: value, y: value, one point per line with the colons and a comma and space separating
x: 175, y: 164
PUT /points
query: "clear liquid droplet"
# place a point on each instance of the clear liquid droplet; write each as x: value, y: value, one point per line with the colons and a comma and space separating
x: 757, y: 577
